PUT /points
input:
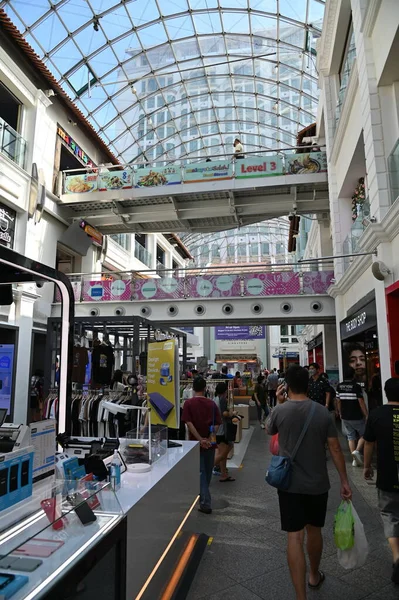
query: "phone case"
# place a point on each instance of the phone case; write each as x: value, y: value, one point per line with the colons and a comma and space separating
x: 54, y: 516
x: 38, y: 547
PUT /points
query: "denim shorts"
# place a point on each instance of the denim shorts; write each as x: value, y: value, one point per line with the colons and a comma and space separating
x: 353, y: 429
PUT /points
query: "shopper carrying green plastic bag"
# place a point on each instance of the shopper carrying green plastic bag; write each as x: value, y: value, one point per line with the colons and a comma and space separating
x: 356, y: 556
x: 344, y: 527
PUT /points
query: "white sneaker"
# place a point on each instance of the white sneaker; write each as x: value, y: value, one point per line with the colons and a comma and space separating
x: 262, y: 426
x: 358, y: 457
x: 354, y: 463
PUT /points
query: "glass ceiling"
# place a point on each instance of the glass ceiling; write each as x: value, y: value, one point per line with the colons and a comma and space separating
x: 168, y: 80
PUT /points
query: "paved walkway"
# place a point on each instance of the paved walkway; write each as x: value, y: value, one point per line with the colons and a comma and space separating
x: 246, y: 559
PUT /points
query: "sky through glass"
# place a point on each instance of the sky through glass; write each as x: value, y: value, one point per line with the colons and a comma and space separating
x: 169, y: 80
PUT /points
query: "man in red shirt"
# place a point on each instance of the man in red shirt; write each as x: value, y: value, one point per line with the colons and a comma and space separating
x: 200, y: 414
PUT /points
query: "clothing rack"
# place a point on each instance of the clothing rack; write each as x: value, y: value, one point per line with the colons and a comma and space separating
x: 186, y: 386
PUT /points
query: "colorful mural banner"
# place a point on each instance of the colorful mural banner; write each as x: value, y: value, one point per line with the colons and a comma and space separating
x: 106, y: 291
x: 206, y: 171
x: 317, y: 282
x: 158, y: 176
x: 158, y: 289
x: 214, y: 286
x: 77, y: 289
x: 81, y: 184
x: 240, y: 332
x: 258, y: 166
x: 272, y: 284
x: 306, y: 163
x: 115, y: 180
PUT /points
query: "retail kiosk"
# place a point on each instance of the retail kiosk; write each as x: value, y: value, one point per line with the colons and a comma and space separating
x: 76, y: 537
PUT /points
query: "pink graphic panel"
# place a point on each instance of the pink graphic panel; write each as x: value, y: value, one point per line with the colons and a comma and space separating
x: 77, y: 288
x: 103, y: 291
x: 317, y: 282
x: 158, y: 289
x: 214, y: 286
x: 272, y: 284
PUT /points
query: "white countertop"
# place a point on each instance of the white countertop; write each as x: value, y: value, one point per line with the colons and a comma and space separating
x: 136, y: 485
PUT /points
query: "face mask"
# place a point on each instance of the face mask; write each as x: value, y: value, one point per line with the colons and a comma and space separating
x: 312, y: 372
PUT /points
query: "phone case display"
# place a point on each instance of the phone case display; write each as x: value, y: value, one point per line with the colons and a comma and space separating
x: 15, y: 477
x: 135, y: 447
x: 60, y: 523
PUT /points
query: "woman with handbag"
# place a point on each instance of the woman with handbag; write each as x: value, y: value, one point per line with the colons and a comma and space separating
x: 226, y: 433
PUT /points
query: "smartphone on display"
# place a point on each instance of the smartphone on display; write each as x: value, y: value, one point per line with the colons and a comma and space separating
x: 14, y: 478
x: 3, y: 481
x: 39, y: 547
x: 82, y: 509
x: 5, y: 580
x: 25, y: 473
x: 53, y: 513
x: 17, y: 563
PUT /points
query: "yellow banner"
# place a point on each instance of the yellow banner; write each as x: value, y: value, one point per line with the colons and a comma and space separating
x: 162, y: 383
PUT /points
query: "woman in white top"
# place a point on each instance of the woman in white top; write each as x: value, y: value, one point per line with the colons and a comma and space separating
x: 117, y: 382
x: 238, y: 149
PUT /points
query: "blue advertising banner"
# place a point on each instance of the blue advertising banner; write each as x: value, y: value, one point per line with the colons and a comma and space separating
x: 240, y: 332
x: 6, y: 375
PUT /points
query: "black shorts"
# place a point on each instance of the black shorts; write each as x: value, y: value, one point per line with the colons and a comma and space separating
x: 299, y: 510
x: 221, y: 439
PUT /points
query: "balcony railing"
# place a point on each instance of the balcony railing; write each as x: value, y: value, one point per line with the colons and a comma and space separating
x: 351, y: 242
x: 142, y: 254
x: 168, y: 284
x: 12, y: 144
x: 252, y: 166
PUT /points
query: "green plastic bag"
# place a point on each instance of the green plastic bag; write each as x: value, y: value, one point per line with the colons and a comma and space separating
x: 344, y: 527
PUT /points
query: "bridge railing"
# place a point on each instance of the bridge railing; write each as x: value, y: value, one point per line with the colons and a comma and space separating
x: 133, y: 286
x: 252, y: 166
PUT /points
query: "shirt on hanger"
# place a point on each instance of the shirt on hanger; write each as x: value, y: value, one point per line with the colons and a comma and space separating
x: 102, y: 361
x: 80, y: 360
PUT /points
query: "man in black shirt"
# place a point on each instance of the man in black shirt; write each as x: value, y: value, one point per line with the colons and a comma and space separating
x: 383, y: 427
x: 353, y: 412
x: 319, y: 387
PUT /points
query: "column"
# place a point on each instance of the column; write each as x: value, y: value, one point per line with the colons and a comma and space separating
x: 330, y: 347
x: 24, y: 303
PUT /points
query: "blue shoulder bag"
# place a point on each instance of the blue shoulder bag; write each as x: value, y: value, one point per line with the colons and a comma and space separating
x: 279, y: 472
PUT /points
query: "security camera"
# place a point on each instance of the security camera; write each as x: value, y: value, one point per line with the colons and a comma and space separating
x: 96, y: 23
x: 72, y: 122
x: 39, y: 284
x: 49, y: 93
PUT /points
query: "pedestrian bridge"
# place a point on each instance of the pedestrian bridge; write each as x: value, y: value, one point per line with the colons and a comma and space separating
x: 199, y: 197
x: 204, y: 300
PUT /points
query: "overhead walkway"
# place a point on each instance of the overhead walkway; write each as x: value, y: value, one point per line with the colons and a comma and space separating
x: 203, y: 300
x: 198, y: 197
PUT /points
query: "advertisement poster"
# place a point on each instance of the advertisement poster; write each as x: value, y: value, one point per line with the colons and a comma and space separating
x: 81, y: 184
x: 214, y: 286
x: 115, y: 180
x: 205, y: 171
x: 163, y: 383
x: 354, y: 355
x: 159, y: 289
x: 42, y: 436
x: 157, y: 176
x: 98, y: 291
x: 317, y: 282
x: 312, y: 162
x: 6, y: 375
x: 240, y: 332
x: 272, y: 284
x: 258, y: 166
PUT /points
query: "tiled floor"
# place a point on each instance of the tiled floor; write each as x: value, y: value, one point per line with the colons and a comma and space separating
x: 246, y: 559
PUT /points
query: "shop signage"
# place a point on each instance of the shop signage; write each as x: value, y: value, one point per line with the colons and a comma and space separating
x: 74, y: 148
x: 236, y: 358
x: 312, y: 162
x: 364, y: 319
x: 259, y: 167
x: 317, y: 341
x: 95, y: 235
x: 7, y: 226
x: 158, y: 176
x: 205, y: 171
x: 287, y: 355
x: 240, y: 332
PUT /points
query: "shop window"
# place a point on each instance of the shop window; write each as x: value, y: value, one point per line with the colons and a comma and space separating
x: 12, y: 144
x: 265, y: 249
x: 284, y: 330
x: 160, y: 255
x: 122, y: 239
x: 348, y: 59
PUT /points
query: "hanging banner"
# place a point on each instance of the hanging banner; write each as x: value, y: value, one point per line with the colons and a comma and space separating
x: 214, y: 286
x: 272, y: 284
x: 81, y: 184
x: 157, y: 176
x: 102, y: 291
x: 205, y: 171
x: 115, y: 180
x: 317, y: 282
x: 158, y: 289
x: 240, y: 332
x: 312, y: 162
x: 163, y: 383
x: 258, y: 166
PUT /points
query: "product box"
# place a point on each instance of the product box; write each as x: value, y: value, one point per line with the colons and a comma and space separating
x: 243, y: 410
x: 16, y: 469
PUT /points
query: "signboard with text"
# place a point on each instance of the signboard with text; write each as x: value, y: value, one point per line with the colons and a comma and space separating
x: 208, y: 171
x: 73, y: 147
x: 258, y: 166
x: 7, y: 226
x: 115, y: 180
x: 163, y: 382
x: 240, y: 332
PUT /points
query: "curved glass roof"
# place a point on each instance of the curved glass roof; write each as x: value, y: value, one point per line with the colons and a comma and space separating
x: 162, y: 80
